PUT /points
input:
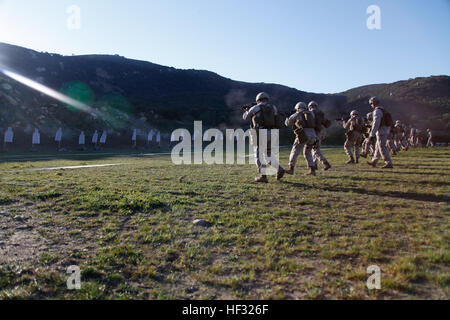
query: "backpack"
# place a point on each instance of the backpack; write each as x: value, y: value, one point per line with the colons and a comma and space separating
x: 309, y: 120
x: 267, y: 118
x: 387, y: 121
x: 305, y: 128
x: 320, y: 119
x: 357, y: 125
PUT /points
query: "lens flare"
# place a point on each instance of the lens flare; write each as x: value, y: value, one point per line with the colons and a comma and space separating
x: 79, y: 91
x: 47, y: 91
x: 114, y: 111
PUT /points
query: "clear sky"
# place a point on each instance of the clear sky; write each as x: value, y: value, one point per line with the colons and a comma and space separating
x: 316, y: 46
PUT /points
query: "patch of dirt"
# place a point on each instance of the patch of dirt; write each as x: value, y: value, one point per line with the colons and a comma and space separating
x: 22, y: 241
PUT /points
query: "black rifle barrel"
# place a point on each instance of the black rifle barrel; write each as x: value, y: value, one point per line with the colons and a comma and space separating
x: 248, y: 106
x: 288, y: 114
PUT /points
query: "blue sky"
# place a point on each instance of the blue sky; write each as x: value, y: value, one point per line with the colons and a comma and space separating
x: 316, y: 46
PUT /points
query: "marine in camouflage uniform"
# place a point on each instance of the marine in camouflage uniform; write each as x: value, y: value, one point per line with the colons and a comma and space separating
x: 413, y: 137
x: 297, y: 119
x: 421, y: 138
x: 381, y: 131
x: 368, y: 145
x: 391, y: 142
x: 355, y: 128
x: 430, y: 142
x: 321, y: 131
x: 405, y: 138
x: 256, y: 115
x: 398, y: 135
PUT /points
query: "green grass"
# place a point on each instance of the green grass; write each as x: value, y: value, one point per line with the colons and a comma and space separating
x: 129, y: 228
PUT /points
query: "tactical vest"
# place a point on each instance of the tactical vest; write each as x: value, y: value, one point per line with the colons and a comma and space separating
x: 267, y: 118
x: 306, y: 121
x: 387, y: 121
x: 320, y: 119
x: 305, y: 128
x: 357, y: 125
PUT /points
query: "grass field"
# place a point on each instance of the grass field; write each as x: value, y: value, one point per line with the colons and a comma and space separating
x: 130, y: 230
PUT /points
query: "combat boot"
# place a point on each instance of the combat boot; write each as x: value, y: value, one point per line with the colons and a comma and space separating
x: 280, y: 174
x: 357, y: 160
x: 312, y: 172
x: 373, y: 164
x: 262, y: 179
x: 290, y: 170
x: 350, y: 160
x: 364, y: 155
x: 387, y: 166
x: 326, y: 166
x: 316, y: 165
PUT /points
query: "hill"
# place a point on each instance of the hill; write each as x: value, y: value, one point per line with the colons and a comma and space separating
x: 127, y: 93
x: 422, y: 101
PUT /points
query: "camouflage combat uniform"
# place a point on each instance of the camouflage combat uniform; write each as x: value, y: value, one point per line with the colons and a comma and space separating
x: 398, y: 135
x: 354, y: 138
x: 298, y: 147
x: 381, y: 133
x: 413, y: 138
x: 430, y: 142
x: 391, y: 141
x: 254, y: 114
x: 405, y: 137
x: 368, y: 145
x: 321, y: 135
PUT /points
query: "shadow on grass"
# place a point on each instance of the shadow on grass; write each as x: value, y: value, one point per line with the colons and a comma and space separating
x: 400, y: 195
x: 400, y: 172
x: 394, y: 181
x: 441, y: 155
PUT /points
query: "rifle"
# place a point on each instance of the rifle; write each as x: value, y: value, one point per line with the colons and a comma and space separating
x: 287, y: 114
x: 343, y: 119
x: 248, y: 106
